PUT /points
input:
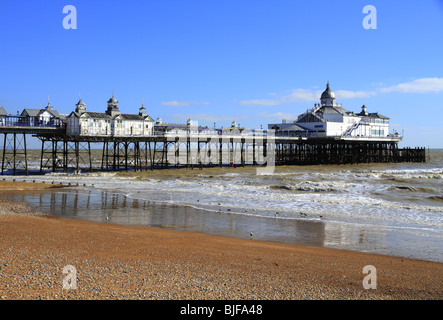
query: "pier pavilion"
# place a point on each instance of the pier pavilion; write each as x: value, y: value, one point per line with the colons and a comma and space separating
x: 329, y: 119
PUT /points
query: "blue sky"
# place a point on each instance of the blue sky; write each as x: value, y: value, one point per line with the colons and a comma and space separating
x: 252, y: 61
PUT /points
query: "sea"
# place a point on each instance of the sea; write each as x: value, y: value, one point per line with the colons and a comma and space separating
x: 391, y: 209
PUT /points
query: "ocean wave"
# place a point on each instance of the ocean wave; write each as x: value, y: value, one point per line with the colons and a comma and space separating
x: 280, y: 188
x: 406, y: 175
x: 347, y: 194
x: 414, y: 189
x: 436, y: 198
x: 306, y: 188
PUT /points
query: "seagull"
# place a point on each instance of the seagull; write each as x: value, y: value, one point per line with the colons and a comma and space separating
x: 106, y: 218
x: 250, y: 233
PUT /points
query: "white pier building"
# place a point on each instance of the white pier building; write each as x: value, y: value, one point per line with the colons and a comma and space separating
x: 111, y: 123
x: 330, y: 120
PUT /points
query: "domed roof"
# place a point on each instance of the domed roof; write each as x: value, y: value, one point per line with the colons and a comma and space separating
x: 327, y: 94
x: 112, y: 100
x: 81, y: 103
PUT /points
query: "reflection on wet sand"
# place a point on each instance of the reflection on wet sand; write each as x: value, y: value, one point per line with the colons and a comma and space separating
x: 103, y: 206
x: 109, y: 207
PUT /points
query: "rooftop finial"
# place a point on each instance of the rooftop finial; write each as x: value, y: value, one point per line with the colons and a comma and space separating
x: 49, y: 105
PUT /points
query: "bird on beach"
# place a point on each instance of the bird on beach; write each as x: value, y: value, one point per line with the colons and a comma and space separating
x: 106, y: 218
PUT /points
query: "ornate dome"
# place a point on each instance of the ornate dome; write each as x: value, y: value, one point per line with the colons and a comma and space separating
x: 327, y: 94
x: 112, y: 100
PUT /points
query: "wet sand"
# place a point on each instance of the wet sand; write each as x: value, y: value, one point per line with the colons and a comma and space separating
x: 128, y: 262
x: 6, y: 186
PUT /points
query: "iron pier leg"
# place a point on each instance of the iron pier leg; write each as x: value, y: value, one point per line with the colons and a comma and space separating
x: 41, y: 156
x: 90, y: 158
x: 14, y: 154
x: 151, y: 156
x: 26, y: 154
x: 4, y: 152
x: 77, y: 156
x: 103, y: 156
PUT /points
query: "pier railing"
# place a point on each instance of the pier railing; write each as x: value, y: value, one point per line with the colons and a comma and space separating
x: 18, y: 121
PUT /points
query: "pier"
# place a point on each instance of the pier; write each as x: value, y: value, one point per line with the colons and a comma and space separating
x: 63, y: 153
x: 325, y: 134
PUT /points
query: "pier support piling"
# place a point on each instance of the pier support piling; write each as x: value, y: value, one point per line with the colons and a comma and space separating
x: 14, y: 153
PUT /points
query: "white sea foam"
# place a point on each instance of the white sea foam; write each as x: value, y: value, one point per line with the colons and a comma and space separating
x: 337, y: 195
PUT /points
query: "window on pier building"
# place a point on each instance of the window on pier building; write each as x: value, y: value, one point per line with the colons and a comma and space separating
x: 377, y: 132
x: 380, y: 121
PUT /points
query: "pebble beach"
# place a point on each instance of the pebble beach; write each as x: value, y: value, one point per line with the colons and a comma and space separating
x: 127, y: 262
